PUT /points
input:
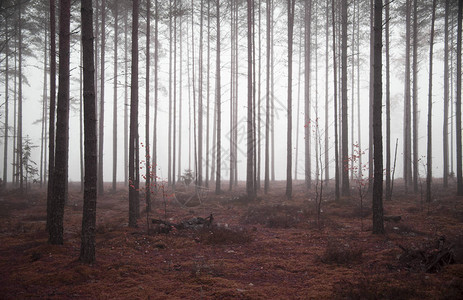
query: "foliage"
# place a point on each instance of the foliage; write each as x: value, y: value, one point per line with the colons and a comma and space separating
x: 187, y: 177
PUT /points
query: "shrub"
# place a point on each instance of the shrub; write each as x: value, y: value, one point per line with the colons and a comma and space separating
x: 335, y: 253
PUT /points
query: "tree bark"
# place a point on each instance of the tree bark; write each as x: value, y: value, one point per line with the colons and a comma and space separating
x: 307, y: 102
x: 289, y: 148
x: 344, y: 119
x: 102, y: 84
x: 148, y: 169
x: 429, y: 152
x: 445, y: 130
x: 116, y: 33
x: 218, y: 105
x: 378, y: 226
x: 133, y: 139
x: 458, y: 102
x: 415, y: 97
x: 51, y: 124
x: 62, y: 135
x: 87, y: 249
x: 335, y: 97
x: 388, y: 110
x: 250, y: 153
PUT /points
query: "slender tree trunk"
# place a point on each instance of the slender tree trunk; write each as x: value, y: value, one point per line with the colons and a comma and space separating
x: 207, y: 89
x: 133, y: 140
x: 180, y: 99
x: 147, y: 110
x: 62, y: 135
x: 371, y: 100
x: 169, y: 141
x: 429, y: 152
x: 289, y: 149
x: 335, y: 97
x: 272, y: 85
x: 116, y: 36
x: 51, y: 125
x: 6, y: 129
x: 267, y: 104
x: 126, y: 98
x: 307, y: 100
x: 298, y: 99
x: 378, y: 226
x: 327, y: 32
x: 218, y: 104
x: 44, y: 111
x: 200, y: 98
x: 250, y: 153
x: 174, y: 112
x: 344, y: 108
x: 415, y: 98
x: 359, y: 132
x: 446, y: 97
x: 87, y: 249
x: 232, y: 90
x: 458, y: 103
x: 102, y: 84
x: 259, y: 99
x: 19, y: 148
x: 156, y: 83
x: 407, y: 101
x: 388, y: 110
x: 81, y: 117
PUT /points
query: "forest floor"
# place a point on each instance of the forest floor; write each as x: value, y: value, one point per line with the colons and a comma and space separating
x: 272, y: 248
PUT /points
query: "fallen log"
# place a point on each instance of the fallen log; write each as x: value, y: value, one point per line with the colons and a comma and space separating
x: 193, y: 223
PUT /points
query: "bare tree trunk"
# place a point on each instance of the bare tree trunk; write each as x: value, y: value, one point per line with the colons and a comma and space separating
x: 232, y: 96
x: 289, y: 149
x: 87, y: 249
x: 388, y: 110
x: 133, y: 140
x: 327, y: 160
x: 44, y: 111
x: 19, y: 148
x: 174, y: 112
x: 267, y: 105
x: 259, y: 100
x: 180, y: 100
x: 344, y: 108
x: 81, y: 116
x: 102, y: 84
x: 156, y: 83
x: 378, y: 226
x: 415, y: 98
x: 62, y: 135
x: 335, y: 97
x: 207, y: 89
x: 6, y: 129
x: 250, y: 153
x: 147, y: 110
x: 458, y: 102
x: 445, y: 143
x: 116, y: 33
x: 429, y: 152
x: 51, y: 125
x: 218, y: 104
x: 307, y: 102
x: 407, y: 101
x: 200, y: 98
x: 169, y: 141
x: 126, y: 98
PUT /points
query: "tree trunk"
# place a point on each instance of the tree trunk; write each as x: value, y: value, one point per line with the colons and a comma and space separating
x: 116, y: 33
x: 156, y: 83
x: 102, y: 84
x: 126, y: 98
x: 207, y: 90
x: 429, y: 152
x: 458, y: 103
x: 267, y: 105
x: 174, y: 111
x: 388, y: 110
x: 250, y: 159
x: 19, y: 148
x: 407, y: 101
x: 62, y: 135
x: 169, y: 138
x: 218, y: 104
x: 200, y: 98
x: 147, y: 110
x: 44, y: 110
x: 289, y: 148
x: 5, y: 149
x: 445, y: 143
x: 344, y: 119
x: 378, y: 226
x: 133, y: 139
x: 335, y: 97
x: 51, y: 124
x: 307, y: 104
x: 327, y: 152
x: 415, y: 97
x: 87, y: 249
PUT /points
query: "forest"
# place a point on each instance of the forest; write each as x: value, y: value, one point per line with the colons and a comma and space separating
x: 217, y: 149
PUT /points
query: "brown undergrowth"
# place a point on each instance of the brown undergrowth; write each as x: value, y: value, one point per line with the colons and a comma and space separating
x: 273, y: 248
